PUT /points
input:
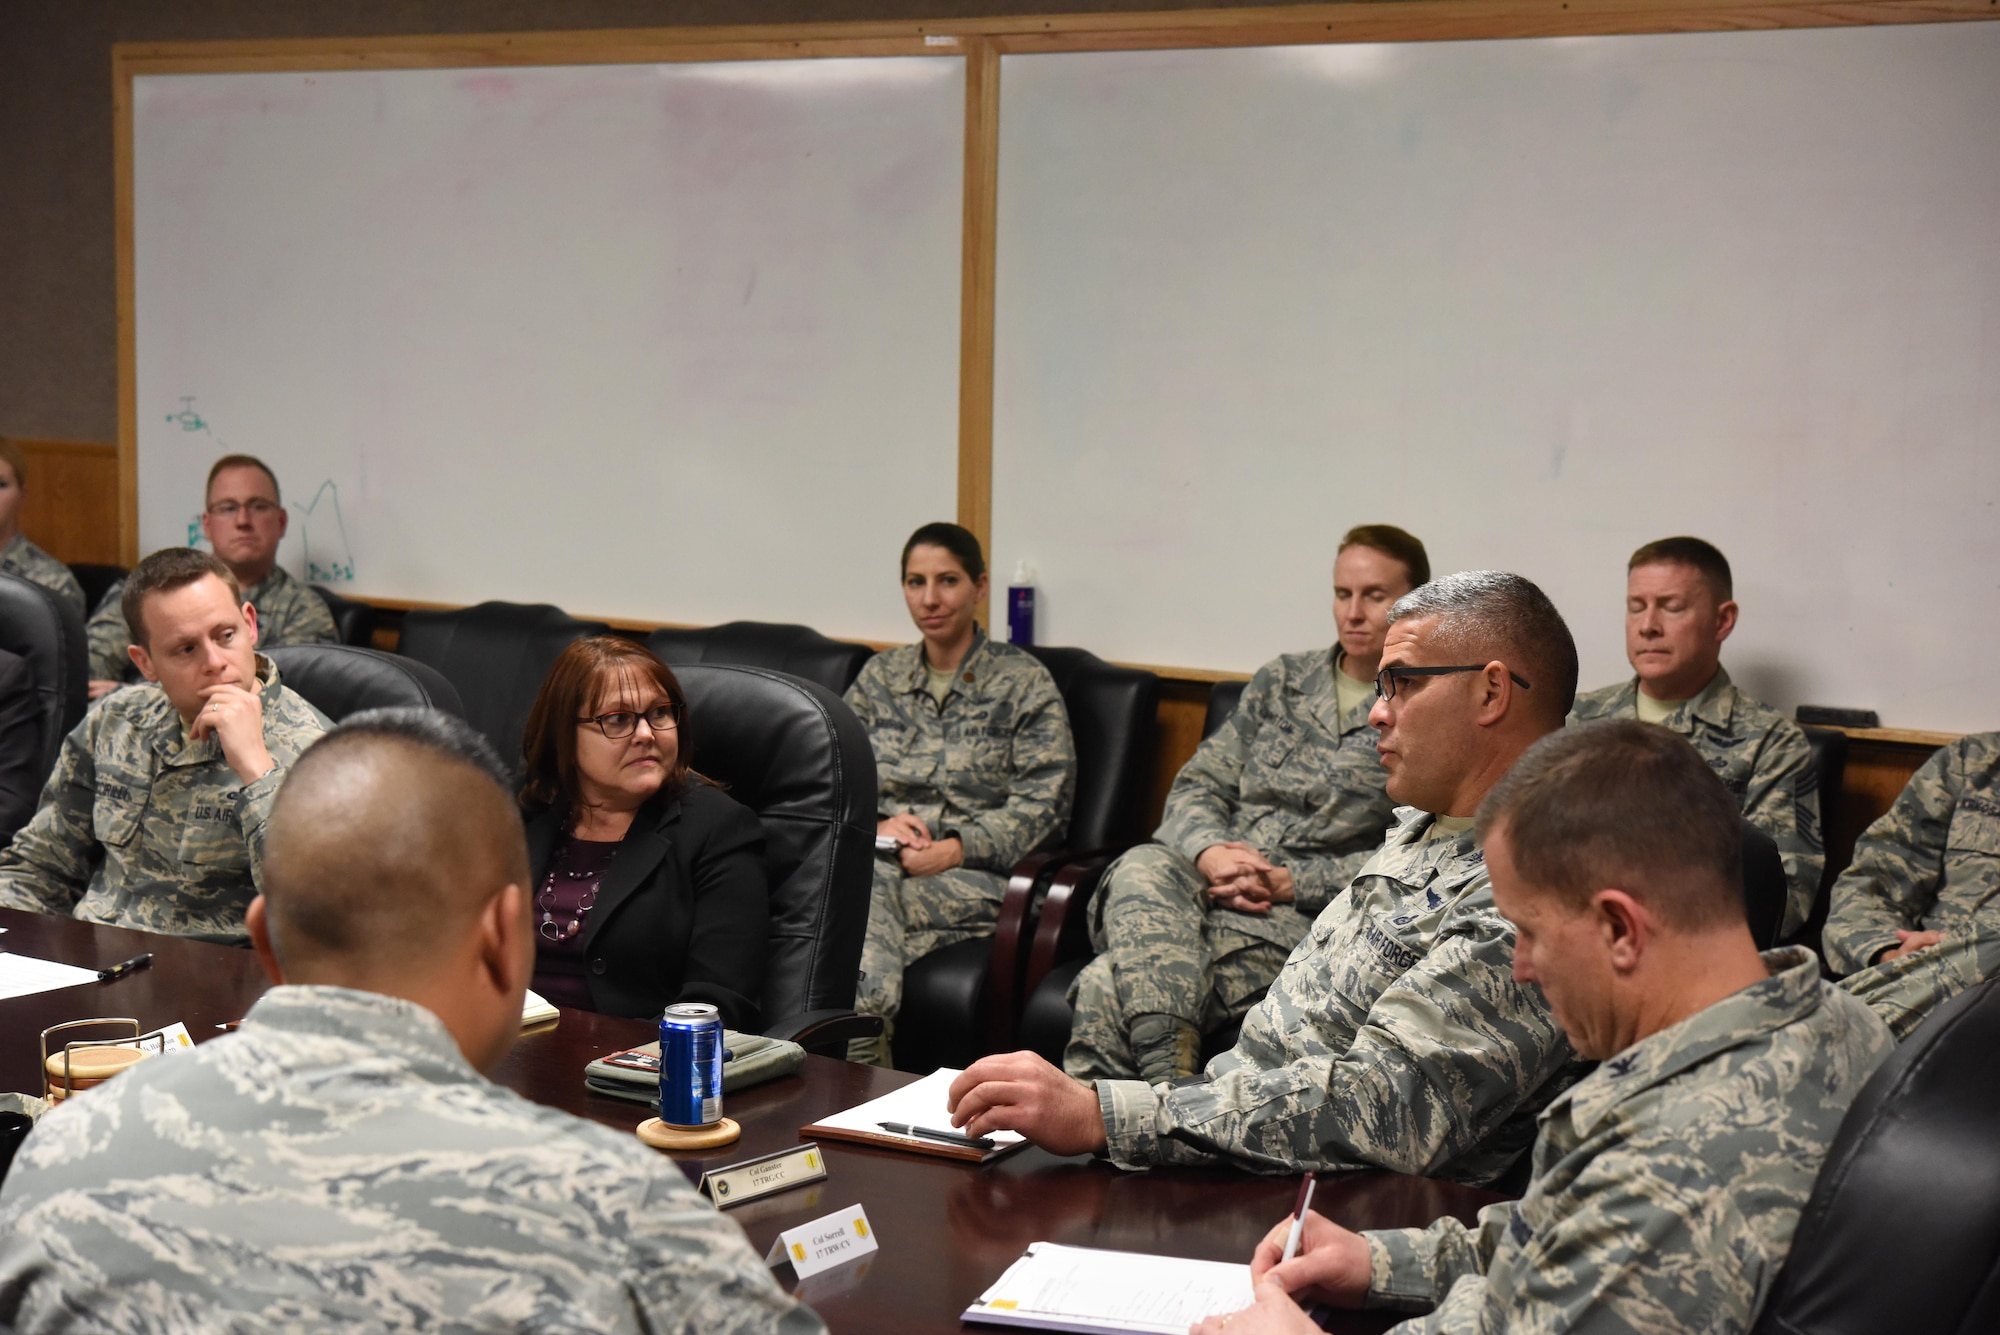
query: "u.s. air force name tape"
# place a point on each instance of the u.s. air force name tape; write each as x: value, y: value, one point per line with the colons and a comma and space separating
x: 836, y: 1239
x: 735, y: 1183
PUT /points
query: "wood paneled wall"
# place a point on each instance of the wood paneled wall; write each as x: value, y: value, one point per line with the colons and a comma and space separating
x: 69, y: 502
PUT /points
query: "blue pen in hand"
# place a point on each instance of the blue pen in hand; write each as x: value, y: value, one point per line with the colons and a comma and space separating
x: 946, y: 1137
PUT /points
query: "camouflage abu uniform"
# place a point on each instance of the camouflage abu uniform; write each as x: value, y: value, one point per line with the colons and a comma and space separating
x: 993, y: 765
x: 1668, y: 1182
x: 1931, y: 863
x: 1764, y: 759
x: 23, y: 558
x: 288, y: 612
x: 142, y: 827
x: 1290, y: 776
x: 337, y: 1164
x: 1396, y: 1037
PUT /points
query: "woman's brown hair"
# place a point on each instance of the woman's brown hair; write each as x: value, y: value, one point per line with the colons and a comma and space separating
x: 590, y: 670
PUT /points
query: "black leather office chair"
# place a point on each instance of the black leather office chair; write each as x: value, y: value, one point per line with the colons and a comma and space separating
x: 495, y: 655
x: 1829, y: 752
x: 961, y: 1002
x: 353, y: 620
x: 798, y: 650
x: 1223, y: 697
x: 1046, y: 1014
x: 343, y: 679
x: 1902, y: 1232
x: 1765, y: 889
x: 96, y: 581
x: 793, y: 752
x: 46, y: 630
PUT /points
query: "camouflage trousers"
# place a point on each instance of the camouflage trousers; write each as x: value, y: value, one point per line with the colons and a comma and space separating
x: 1163, y: 951
x: 910, y: 916
x: 1905, y: 991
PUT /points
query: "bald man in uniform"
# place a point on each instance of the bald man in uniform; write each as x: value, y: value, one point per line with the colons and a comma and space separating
x: 341, y: 1162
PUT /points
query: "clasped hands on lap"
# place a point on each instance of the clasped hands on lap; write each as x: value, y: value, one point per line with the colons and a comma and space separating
x: 1241, y: 878
x: 920, y: 854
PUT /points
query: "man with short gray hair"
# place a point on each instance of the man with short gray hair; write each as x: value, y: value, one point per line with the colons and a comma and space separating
x: 341, y: 1162
x: 1396, y: 1036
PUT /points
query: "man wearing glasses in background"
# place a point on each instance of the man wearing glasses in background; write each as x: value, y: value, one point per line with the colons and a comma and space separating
x: 244, y: 521
x: 1397, y: 1035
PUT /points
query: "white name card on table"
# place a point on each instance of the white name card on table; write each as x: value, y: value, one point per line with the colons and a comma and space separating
x: 833, y: 1240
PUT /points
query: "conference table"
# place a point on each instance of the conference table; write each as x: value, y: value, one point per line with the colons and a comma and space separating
x: 946, y: 1229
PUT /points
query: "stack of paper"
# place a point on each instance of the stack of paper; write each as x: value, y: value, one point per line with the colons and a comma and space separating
x: 1086, y: 1289
x: 24, y: 975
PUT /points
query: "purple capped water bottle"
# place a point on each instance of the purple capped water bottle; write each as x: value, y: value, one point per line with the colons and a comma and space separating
x: 1021, y: 606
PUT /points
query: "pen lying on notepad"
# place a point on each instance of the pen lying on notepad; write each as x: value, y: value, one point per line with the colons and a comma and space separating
x: 948, y: 1137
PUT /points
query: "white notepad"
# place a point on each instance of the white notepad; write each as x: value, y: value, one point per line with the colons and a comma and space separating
x: 23, y: 975
x: 1087, y: 1289
x: 923, y: 1102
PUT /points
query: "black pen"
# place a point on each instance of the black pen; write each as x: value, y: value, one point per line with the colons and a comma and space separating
x: 120, y: 970
x: 948, y: 1137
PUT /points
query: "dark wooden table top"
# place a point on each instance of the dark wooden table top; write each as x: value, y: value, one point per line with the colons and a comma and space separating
x: 947, y: 1229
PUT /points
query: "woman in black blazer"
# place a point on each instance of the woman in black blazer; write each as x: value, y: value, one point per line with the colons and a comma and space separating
x: 648, y: 881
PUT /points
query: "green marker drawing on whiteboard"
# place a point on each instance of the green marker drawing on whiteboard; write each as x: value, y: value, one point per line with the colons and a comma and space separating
x: 333, y: 562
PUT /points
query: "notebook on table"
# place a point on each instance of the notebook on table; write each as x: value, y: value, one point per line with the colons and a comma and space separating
x: 1087, y: 1289
x: 922, y: 1103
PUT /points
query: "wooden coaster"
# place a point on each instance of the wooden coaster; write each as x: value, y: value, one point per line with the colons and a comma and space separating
x: 663, y: 1137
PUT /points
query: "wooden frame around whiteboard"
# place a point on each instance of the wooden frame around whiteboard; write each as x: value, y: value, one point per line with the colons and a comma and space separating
x: 981, y: 43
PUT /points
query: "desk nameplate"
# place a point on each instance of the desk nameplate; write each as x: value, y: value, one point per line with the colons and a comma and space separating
x: 765, y: 1175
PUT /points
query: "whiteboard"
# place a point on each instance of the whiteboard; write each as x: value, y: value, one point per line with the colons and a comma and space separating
x: 674, y: 342
x: 1539, y: 302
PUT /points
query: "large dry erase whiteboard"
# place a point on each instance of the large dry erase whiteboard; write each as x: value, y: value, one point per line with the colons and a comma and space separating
x: 1538, y: 301
x: 673, y: 341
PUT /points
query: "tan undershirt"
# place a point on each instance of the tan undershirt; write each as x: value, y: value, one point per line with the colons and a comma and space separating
x: 939, y: 684
x: 1656, y: 711
x: 1347, y: 691
x: 1448, y: 827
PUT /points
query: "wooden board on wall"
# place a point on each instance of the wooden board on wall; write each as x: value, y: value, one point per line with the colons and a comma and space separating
x: 69, y: 505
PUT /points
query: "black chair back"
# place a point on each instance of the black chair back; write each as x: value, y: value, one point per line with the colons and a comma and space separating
x: 96, y: 581
x: 1764, y: 887
x: 1903, y: 1228
x: 343, y: 679
x: 794, y: 753
x: 800, y: 651
x: 353, y: 620
x: 1223, y: 697
x: 46, y: 630
x: 1829, y: 754
x: 1112, y: 717
x: 496, y: 656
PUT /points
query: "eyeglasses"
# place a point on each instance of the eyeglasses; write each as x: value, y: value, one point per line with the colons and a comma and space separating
x: 259, y: 508
x: 623, y: 723
x: 1386, y: 679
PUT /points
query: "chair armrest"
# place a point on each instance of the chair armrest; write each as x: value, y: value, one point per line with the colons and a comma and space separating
x: 825, y: 1032
x: 1003, y: 975
x: 1062, y: 915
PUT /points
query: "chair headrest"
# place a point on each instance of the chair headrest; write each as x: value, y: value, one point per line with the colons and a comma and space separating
x: 782, y: 745
x: 340, y: 680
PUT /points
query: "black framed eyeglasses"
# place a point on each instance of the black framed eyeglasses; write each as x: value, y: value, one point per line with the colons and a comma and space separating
x: 623, y: 723
x: 258, y: 507
x: 1386, y: 679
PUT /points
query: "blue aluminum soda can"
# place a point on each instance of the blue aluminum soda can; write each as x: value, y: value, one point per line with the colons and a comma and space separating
x: 691, y: 1065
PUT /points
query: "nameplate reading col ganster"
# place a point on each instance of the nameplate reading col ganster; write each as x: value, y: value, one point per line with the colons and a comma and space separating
x: 736, y: 1183
x: 836, y: 1239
